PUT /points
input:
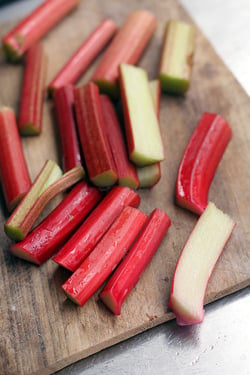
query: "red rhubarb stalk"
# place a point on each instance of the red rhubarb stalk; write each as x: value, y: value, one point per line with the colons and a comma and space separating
x: 14, y: 173
x: 95, y: 269
x: 126, y: 171
x: 70, y: 148
x: 130, y: 269
x: 82, y: 58
x: 95, y: 226
x: 58, y: 226
x: 127, y: 46
x: 93, y: 138
x: 199, y: 162
x: 32, y: 94
x: 35, y: 26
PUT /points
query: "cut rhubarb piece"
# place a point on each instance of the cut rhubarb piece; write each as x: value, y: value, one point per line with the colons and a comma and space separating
x: 32, y: 94
x: 126, y: 171
x: 93, y: 138
x: 97, y: 267
x: 196, y: 264
x: 145, y: 145
x: 47, y: 238
x: 149, y: 175
x: 86, y: 53
x: 26, y: 213
x: 135, y: 262
x: 126, y: 47
x: 95, y: 226
x: 199, y: 162
x: 35, y: 26
x: 14, y: 173
x: 177, y: 57
x: 155, y: 89
x: 70, y: 148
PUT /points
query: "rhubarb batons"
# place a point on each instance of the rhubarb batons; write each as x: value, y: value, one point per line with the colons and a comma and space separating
x: 93, y: 138
x: 199, y: 162
x: 33, y: 89
x: 14, y: 175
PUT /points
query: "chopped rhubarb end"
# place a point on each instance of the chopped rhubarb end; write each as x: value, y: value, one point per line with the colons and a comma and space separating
x: 129, y: 182
x: 105, y: 179
x: 173, y: 85
x: 110, y: 88
x: 21, y: 253
x: 11, y: 53
x: 111, y: 303
x: 29, y: 129
x: 149, y: 175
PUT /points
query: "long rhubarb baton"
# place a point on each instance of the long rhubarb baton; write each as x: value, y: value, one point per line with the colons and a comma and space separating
x: 199, y: 162
x: 34, y: 26
x: 95, y: 269
x: 135, y: 262
x: 14, y: 173
x: 86, y: 53
x: 80, y: 245
x: 46, y: 238
x: 32, y: 94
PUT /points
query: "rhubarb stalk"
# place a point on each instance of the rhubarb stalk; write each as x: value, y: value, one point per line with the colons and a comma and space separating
x: 14, y: 173
x: 199, y: 162
x: 95, y: 269
x: 95, y: 226
x: 48, y: 236
x: 135, y: 262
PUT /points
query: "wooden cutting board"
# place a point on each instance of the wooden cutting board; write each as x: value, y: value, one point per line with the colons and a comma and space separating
x: 41, y: 331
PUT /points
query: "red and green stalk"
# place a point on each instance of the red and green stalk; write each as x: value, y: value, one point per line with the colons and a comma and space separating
x: 135, y: 262
x: 95, y: 226
x: 100, y: 263
x: 58, y: 226
x: 35, y: 26
x: 33, y: 89
x: 82, y: 58
x: 14, y: 173
x: 199, y: 162
x: 93, y: 138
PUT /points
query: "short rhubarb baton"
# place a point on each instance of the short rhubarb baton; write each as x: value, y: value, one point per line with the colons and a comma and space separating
x: 32, y: 94
x: 196, y: 263
x: 127, y: 46
x: 149, y: 175
x: 95, y: 269
x: 82, y: 58
x: 95, y: 226
x: 35, y: 26
x: 14, y: 173
x: 93, y: 138
x: 130, y: 269
x: 46, y: 238
x: 199, y: 162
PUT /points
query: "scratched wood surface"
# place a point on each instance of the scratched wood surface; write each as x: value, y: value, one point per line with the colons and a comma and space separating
x: 40, y: 330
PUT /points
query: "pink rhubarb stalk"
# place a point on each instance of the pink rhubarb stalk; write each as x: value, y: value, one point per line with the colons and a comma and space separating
x: 96, y: 268
x: 82, y: 58
x: 95, y: 226
x: 135, y: 262
x: 58, y: 226
x: 199, y: 162
x: 14, y: 173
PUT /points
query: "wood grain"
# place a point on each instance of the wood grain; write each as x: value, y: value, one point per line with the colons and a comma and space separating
x: 40, y: 330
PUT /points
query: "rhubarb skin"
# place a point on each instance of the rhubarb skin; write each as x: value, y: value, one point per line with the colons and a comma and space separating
x: 126, y: 47
x: 196, y: 264
x: 34, y: 26
x: 135, y: 262
x: 97, y: 267
x: 32, y: 94
x: 14, y: 173
x: 93, y: 138
x: 80, y: 245
x: 64, y: 105
x: 126, y: 171
x: 85, y: 54
x: 145, y: 145
x: 200, y: 160
x: 58, y: 226
x: 177, y: 57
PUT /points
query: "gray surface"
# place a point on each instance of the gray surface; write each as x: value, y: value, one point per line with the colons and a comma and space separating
x: 221, y: 344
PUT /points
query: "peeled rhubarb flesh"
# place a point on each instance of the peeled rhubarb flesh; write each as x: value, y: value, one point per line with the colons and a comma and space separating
x: 200, y: 160
x: 196, y: 264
